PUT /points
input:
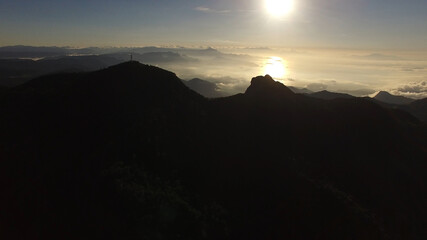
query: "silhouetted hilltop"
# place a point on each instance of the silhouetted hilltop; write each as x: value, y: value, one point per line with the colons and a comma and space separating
x: 326, y: 95
x: 331, y: 140
x: 130, y: 152
x: 391, y: 99
x: 130, y: 85
x: 267, y: 87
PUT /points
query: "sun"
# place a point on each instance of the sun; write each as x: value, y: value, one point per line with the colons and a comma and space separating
x: 279, y: 8
x: 275, y: 67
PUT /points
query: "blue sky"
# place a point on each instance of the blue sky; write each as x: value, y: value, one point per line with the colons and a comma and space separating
x: 372, y: 24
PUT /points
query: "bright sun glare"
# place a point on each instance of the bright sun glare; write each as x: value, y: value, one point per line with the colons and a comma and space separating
x: 275, y: 67
x: 279, y: 8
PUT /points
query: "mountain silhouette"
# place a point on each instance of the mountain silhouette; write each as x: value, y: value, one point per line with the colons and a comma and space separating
x: 326, y: 95
x: 391, y: 99
x: 131, y: 152
x: 267, y: 87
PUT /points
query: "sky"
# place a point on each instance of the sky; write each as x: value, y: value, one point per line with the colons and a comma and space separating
x: 354, y: 24
x: 353, y: 46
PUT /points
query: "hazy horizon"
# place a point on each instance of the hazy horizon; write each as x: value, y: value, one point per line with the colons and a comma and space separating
x: 356, y: 72
x: 358, y: 46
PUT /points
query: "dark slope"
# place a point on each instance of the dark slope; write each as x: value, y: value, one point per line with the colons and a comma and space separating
x: 130, y: 152
x: 68, y: 142
x: 417, y: 108
x: 326, y: 95
x: 3, y: 90
x: 392, y: 99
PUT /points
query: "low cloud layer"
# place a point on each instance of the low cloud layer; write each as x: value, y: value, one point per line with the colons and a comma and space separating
x: 378, y: 56
x: 232, y: 68
x: 316, y: 87
x: 413, y: 90
x: 210, y: 10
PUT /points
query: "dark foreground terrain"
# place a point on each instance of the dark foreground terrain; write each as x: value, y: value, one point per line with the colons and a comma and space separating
x: 129, y: 152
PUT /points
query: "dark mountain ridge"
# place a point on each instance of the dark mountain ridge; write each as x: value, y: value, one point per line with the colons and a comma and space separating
x: 326, y: 95
x: 130, y: 152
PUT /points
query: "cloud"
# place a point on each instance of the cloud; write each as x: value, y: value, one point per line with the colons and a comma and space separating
x: 210, y: 10
x: 359, y: 92
x: 378, y: 56
x: 413, y: 69
x: 229, y: 85
x: 316, y: 87
x: 412, y: 90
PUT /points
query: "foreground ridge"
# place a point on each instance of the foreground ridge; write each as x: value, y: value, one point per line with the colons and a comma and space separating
x: 130, y: 152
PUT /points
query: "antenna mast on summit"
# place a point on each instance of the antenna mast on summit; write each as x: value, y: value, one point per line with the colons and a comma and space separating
x: 131, y: 57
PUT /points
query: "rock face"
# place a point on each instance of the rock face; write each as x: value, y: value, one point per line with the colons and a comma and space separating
x: 392, y: 99
x: 267, y: 87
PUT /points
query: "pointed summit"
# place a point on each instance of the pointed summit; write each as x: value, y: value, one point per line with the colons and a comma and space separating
x: 386, y: 97
x: 267, y: 87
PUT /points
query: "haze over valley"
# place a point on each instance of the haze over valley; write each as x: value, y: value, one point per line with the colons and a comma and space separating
x: 356, y: 72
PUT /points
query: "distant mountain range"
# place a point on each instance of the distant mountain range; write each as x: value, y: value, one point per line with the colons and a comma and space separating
x: 300, y: 90
x: 417, y: 108
x: 392, y: 99
x: 18, y: 63
x: 131, y: 152
x: 14, y: 52
x: 326, y: 95
x: 14, y: 72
